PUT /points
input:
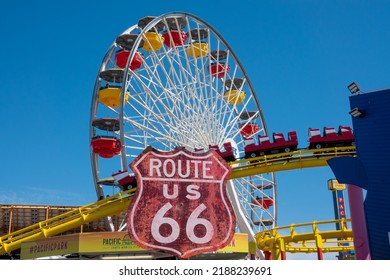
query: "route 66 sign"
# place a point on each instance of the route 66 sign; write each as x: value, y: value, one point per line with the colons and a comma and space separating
x: 181, y: 206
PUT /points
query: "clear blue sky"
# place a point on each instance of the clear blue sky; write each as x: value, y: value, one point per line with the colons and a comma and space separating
x: 300, y: 56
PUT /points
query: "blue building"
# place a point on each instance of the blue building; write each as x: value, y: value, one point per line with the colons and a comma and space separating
x: 370, y: 169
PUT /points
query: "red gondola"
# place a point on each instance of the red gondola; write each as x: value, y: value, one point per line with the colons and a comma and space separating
x: 265, y: 202
x: 219, y: 70
x: 174, y: 38
x: 106, y: 146
x: 247, y: 130
x: 121, y: 57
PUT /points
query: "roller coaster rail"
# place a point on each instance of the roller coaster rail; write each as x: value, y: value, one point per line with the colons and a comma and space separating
x: 303, y: 158
x: 119, y: 202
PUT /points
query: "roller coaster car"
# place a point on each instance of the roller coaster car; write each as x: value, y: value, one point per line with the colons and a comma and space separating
x: 227, y: 154
x: 265, y: 147
x: 125, y: 180
x: 331, y: 138
x: 198, y: 150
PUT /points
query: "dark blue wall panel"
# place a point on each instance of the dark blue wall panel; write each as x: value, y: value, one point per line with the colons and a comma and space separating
x: 371, y: 169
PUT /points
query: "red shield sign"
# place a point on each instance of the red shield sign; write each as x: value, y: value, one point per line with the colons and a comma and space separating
x: 181, y: 206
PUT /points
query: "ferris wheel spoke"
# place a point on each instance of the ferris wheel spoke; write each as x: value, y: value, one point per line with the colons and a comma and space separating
x: 176, y: 112
x: 168, y: 101
x: 159, y: 120
x: 153, y: 129
x: 158, y: 104
x: 170, y: 83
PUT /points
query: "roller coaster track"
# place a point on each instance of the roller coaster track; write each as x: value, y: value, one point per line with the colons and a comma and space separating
x: 298, y: 239
x: 109, y: 206
x: 119, y: 202
x: 287, y: 161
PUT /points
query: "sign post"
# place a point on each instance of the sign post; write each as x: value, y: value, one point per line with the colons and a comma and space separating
x: 181, y: 205
x: 340, y: 211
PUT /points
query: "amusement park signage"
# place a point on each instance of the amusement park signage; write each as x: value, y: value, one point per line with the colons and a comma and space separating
x: 181, y: 206
x: 338, y: 198
x: 339, y: 209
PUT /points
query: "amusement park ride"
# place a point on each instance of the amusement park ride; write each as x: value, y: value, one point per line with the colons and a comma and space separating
x: 173, y: 81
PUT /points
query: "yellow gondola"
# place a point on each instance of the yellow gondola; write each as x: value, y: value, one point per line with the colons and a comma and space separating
x: 197, y: 50
x: 111, y: 96
x: 152, y: 41
x: 235, y: 96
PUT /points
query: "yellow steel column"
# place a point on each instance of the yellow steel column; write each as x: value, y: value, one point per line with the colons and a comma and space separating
x: 277, y: 246
x: 318, y: 240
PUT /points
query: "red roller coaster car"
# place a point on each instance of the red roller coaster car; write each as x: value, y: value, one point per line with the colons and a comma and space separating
x: 266, y: 147
x: 227, y: 153
x: 125, y: 180
x: 331, y: 138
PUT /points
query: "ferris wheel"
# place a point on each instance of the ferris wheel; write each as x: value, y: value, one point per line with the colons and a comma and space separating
x: 170, y: 81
